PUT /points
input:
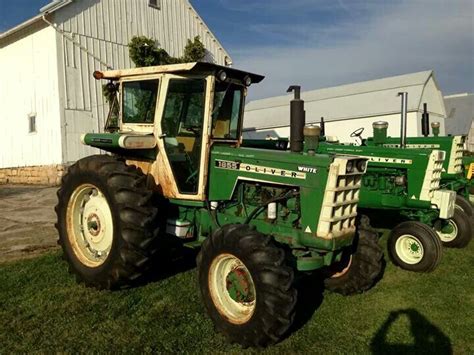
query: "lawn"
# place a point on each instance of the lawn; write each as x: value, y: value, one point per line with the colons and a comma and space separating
x: 43, y: 309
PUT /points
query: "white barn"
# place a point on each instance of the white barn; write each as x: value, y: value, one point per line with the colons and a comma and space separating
x: 47, y: 94
x: 460, y: 116
x: 348, y: 107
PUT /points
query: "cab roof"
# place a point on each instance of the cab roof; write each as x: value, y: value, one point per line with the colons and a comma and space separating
x: 185, y: 68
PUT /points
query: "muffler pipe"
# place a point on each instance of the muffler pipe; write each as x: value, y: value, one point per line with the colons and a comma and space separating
x: 322, y: 125
x: 425, y: 121
x: 403, y: 123
x: 297, y: 120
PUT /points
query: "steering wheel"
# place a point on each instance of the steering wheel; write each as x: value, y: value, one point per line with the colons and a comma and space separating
x: 357, y: 132
x: 196, y: 130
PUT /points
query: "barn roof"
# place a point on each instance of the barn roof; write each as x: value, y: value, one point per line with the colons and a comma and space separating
x: 56, y: 5
x: 364, y: 99
x: 460, y: 113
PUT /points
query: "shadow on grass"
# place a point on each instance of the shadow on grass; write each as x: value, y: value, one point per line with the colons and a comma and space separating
x: 427, y: 337
x: 310, y: 296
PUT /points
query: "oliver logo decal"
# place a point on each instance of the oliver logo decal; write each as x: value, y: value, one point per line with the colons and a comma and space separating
x: 413, y: 145
x: 257, y: 169
x: 389, y: 160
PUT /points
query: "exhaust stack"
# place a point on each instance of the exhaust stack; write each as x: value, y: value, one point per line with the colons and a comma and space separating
x: 322, y: 125
x: 297, y: 120
x: 425, y: 121
x: 403, y: 123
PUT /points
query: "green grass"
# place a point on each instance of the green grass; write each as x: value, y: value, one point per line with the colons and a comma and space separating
x: 43, y: 309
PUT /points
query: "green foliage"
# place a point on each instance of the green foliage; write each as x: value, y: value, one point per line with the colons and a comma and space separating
x: 42, y: 309
x: 144, y: 52
x: 194, y: 50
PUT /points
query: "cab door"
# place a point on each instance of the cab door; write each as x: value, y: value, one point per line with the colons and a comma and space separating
x: 183, y: 136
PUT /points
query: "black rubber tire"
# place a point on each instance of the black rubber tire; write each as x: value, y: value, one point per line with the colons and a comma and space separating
x: 464, y: 225
x: 273, y: 281
x: 133, y: 215
x: 366, y: 263
x: 464, y: 205
x: 433, y: 249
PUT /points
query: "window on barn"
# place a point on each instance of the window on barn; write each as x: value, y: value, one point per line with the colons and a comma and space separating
x: 154, y: 3
x: 32, y: 123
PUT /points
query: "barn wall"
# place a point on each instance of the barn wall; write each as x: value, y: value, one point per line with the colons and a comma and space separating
x: 104, y: 28
x: 29, y: 86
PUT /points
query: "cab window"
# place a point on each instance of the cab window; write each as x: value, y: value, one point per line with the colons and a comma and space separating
x: 228, y: 101
x: 139, y: 101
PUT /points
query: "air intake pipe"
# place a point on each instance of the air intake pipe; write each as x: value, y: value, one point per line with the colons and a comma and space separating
x: 380, y: 132
x: 425, y: 121
x: 297, y: 120
x: 435, y: 127
x: 403, y: 123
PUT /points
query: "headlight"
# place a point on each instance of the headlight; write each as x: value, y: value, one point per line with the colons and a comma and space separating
x: 222, y: 75
x: 350, y: 166
x: 361, y: 165
x: 247, y: 80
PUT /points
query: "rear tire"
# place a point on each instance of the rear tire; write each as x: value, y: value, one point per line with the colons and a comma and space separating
x: 246, y: 286
x: 414, y: 246
x: 464, y: 205
x: 361, y: 266
x: 106, y: 222
x: 455, y: 232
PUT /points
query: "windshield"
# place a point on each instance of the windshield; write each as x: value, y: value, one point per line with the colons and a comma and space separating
x: 228, y: 102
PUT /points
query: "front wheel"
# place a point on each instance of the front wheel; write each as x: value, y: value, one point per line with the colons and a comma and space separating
x: 455, y: 232
x: 245, y: 285
x: 361, y: 265
x: 464, y: 205
x: 414, y: 246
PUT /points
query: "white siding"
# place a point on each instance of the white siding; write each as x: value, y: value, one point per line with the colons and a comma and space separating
x: 29, y: 85
x: 105, y: 28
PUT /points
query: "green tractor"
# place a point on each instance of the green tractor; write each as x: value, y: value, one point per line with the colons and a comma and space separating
x: 401, y: 187
x: 259, y: 217
x: 455, y: 175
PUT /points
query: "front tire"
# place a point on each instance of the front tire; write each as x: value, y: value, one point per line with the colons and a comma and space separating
x: 106, y: 222
x: 246, y: 286
x: 455, y: 232
x: 361, y: 265
x: 414, y: 246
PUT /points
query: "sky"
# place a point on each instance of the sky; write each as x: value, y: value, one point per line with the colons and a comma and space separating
x: 323, y: 43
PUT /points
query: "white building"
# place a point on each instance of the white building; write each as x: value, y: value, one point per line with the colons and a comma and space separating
x: 460, y: 116
x: 348, y: 107
x: 47, y: 94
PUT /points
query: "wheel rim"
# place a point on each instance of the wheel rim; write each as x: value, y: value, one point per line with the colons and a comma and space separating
x: 448, y: 232
x: 459, y: 208
x: 90, y: 225
x: 409, y: 249
x: 344, y: 270
x: 232, y: 288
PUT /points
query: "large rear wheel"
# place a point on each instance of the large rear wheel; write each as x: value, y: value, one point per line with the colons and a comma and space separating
x: 106, y: 222
x: 361, y: 265
x: 245, y: 285
x: 414, y: 246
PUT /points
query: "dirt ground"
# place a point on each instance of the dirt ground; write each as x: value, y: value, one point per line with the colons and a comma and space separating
x: 26, y: 221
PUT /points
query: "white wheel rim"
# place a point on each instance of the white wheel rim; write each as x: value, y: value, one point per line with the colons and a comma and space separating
x: 448, y: 236
x: 237, y: 312
x: 90, y: 225
x: 409, y: 249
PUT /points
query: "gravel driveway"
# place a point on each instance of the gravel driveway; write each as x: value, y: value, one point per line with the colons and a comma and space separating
x: 26, y: 221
